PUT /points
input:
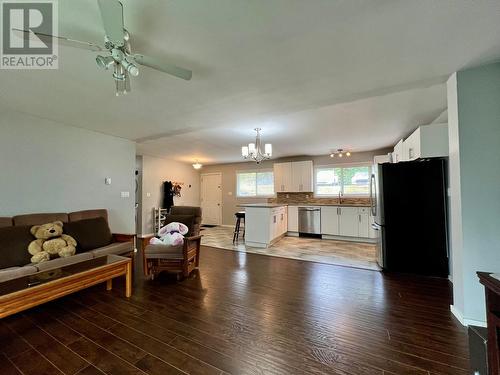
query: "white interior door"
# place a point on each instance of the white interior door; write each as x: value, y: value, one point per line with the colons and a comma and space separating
x: 211, y: 198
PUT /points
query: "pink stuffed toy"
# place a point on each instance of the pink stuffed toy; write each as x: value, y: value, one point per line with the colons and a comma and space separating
x: 171, y: 235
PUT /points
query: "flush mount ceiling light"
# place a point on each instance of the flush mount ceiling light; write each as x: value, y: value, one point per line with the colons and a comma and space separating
x: 255, y: 152
x: 340, y: 153
x: 197, y: 165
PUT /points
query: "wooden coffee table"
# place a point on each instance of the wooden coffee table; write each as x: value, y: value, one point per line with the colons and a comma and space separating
x: 29, y: 291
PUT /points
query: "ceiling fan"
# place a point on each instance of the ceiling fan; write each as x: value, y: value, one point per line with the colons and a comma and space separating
x: 117, y: 43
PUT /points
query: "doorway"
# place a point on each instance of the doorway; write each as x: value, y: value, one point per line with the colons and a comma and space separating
x: 211, y: 198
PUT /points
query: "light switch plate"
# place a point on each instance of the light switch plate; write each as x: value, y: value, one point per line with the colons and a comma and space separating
x: 148, y: 195
x: 125, y: 194
x: 107, y: 180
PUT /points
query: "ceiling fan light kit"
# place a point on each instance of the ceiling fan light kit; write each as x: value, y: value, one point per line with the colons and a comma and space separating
x: 117, y: 43
x: 340, y: 153
x: 197, y: 165
x: 255, y: 151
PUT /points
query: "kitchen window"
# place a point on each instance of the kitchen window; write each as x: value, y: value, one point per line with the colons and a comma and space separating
x: 349, y: 180
x: 255, y: 184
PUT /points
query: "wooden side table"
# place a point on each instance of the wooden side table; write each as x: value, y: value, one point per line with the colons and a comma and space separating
x: 492, y: 291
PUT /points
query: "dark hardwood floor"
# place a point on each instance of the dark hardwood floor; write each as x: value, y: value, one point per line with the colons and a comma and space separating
x: 244, y: 314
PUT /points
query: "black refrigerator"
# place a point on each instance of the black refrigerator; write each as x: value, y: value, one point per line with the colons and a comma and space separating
x: 409, y: 206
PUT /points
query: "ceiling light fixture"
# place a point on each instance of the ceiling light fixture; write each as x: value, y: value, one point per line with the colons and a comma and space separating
x: 255, y: 152
x: 340, y: 153
x: 197, y: 165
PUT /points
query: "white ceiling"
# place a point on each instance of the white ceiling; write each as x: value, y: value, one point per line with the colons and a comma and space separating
x: 279, y: 64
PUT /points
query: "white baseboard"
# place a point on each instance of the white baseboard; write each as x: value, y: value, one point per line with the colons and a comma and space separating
x: 465, y: 322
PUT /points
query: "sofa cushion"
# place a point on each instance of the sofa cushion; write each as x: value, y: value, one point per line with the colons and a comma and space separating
x: 5, y: 222
x: 14, y: 242
x: 89, y: 234
x: 61, y: 262
x: 88, y: 214
x: 163, y: 252
x: 38, y: 219
x: 117, y: 248
x: 15, y: 272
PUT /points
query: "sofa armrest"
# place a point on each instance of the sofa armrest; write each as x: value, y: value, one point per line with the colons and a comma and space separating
x: 121, y: 237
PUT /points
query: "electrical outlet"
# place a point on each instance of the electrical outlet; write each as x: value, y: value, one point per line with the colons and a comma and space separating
x: 107, y: 180
x: 148, y: 195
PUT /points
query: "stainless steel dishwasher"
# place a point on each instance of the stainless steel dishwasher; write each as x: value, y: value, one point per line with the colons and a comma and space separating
x: 310, y: 221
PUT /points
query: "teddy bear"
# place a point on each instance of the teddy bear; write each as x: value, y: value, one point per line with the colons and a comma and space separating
x: 171, y: 234
x: 50, y: 241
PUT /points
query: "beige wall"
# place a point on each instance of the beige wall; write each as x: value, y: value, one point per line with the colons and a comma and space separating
x: 230, y: 201
x: 52, y: 167
x: 154, y: 171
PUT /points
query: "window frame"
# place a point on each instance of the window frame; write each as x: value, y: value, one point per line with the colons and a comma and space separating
x: 256, y: 195
x: 341, y: 166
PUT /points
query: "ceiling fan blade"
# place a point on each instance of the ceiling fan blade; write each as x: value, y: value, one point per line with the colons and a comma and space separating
x: 61, y: 40
x: 112, y: 19
x: 163, y: 66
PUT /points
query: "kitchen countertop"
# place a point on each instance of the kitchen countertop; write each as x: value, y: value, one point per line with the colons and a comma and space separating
x: 263, y: 205
x: 273, y: 205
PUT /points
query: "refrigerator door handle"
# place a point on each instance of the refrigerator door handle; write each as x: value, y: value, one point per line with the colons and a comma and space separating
x: 372, y: 192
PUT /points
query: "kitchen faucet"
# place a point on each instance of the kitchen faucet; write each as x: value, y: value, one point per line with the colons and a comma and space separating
x: 340, y: 197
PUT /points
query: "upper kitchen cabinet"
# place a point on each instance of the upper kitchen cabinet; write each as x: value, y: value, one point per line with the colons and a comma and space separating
x: 282, y: 177
x: 427, y: 141
x: 293, y: 177
x: 302, y: 176
x: 397, y: 155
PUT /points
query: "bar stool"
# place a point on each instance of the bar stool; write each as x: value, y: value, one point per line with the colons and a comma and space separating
x: 240, y: 216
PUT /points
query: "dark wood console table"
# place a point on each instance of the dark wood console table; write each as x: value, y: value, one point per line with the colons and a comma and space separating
x: 492, y: 290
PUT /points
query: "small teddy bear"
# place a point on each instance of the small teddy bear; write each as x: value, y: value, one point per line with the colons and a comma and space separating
x: 50, y: 241
x: 171, y: 234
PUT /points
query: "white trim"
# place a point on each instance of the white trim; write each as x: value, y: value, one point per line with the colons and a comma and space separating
x: 341, y: 166
x: 221, y: 212
x: 263, y: 170
x: 466, y: 322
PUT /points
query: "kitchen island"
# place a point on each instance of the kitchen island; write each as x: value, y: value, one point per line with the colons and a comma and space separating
x: 265, y: 223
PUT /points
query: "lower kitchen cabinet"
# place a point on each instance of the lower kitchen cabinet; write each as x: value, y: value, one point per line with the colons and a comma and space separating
x: 346, y: 221
x: 293, y: 218
x: 364, y: 222
x: 349, y: 222
x: 330, y: 220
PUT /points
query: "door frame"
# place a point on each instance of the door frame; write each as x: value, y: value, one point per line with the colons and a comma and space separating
x: 220, y: 194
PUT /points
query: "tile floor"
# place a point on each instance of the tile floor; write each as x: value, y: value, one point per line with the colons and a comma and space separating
x: 342, y: 253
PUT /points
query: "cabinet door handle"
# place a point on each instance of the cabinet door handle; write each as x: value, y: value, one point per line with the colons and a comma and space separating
x: 359, y: 218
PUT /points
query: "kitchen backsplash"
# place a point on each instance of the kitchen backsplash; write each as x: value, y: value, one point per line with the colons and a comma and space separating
x: 309, y: 198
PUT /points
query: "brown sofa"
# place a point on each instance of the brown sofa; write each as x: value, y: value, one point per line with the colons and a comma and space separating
x: 122, y: 244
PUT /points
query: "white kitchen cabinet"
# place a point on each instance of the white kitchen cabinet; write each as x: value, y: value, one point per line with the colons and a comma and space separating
x: 293, y: 218
x: 349, y: 222
x: 330, y: 220
x: 302, y: 176
x: 264, y: 224
x: 282, y: 177
x: 372, y: 233
x: 293, y: 177
x: 427, y: 142
x: 364, y: 222
x: 397, y: 155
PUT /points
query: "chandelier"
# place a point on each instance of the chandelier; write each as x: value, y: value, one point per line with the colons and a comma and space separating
x: 255, y: 152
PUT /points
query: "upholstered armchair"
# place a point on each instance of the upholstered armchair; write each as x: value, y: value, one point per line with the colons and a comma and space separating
x: 182, y: 259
